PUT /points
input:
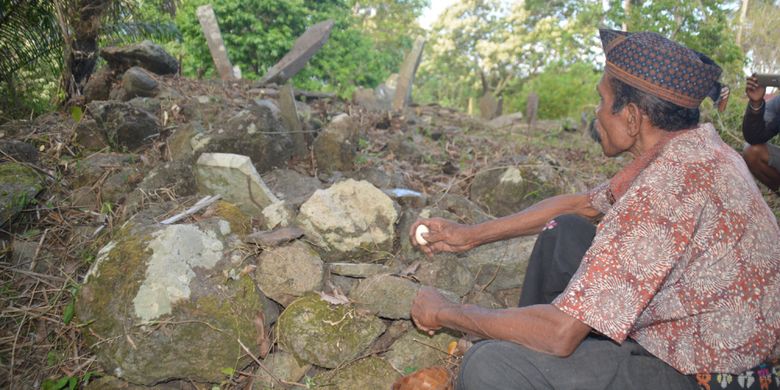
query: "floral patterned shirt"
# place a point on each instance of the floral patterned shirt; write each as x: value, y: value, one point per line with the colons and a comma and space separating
x: 686, y: 262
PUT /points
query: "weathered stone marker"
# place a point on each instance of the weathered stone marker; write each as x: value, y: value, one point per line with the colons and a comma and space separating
x: 304, y: 48
x: 489, y: 106
x: 403, y: 91
x: 291, y: 121
x: 531, y: 108
x: 208, y: 22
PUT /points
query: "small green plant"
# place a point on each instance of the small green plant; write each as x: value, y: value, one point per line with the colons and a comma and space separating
x: 67, y: 382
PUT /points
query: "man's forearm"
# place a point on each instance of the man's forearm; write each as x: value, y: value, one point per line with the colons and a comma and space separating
x: 532, y: 219
x: 753, y: 126
x: 542, y: 328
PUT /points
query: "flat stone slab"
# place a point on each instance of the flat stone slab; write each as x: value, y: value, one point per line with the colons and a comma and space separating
x: 358, y: 270
x: 304, y: 48
x: 235, y: 178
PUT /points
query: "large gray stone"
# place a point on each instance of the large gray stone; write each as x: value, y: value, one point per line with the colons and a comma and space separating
x: 372, y: 294
x: 256, y: 131
x: 501, y: 265
x: 126, y: 127
x: 146, y: 54
x: 506, y: 191
x: 351, y: 219
x: 304, y: 48
x: 335, y: 147
x: 235, y: 178
x: 160, y: 295
x: 447, y: 273
x: 88, y: 171
x: 19, y: 184
x: 415, y: 350
x: 323, y: 334
x: 286, y: 273
x: 367, y: 373
x: 291, y: 186
x: 137, y: 82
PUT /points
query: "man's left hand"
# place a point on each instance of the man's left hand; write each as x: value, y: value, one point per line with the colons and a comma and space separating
x: 426, y: 307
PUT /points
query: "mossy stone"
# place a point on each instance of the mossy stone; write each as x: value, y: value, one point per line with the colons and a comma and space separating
x: 367, y: 373
x: 323, y: 334
x: 19, y: 184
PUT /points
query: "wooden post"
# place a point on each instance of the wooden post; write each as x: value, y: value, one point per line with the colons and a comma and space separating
x: 208, y: 22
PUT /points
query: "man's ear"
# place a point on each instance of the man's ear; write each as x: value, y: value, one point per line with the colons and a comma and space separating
x: 633, y: 116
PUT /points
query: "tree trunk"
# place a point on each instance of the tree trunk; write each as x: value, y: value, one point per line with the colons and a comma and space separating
x: 627, y: 11
x: 741, y: 22
x: 84, y: 19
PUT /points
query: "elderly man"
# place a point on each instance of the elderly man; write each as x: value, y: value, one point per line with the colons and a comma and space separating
x: 680, y: 277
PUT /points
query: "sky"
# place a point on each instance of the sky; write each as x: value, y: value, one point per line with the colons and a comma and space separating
x: 431, y: 13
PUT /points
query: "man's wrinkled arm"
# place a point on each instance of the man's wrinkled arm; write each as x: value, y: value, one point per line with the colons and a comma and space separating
x: 532, y: 219
x: 542, y: 328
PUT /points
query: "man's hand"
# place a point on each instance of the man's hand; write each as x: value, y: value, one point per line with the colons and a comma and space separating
x: 443, y: 236
x: 426, y: 306
x: 754, y: 91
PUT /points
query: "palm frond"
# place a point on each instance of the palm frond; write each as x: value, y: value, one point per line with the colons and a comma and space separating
x: 125, y: 32
x: 28, y: 33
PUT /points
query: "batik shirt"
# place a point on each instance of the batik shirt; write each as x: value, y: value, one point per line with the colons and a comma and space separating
x: 686, y: 262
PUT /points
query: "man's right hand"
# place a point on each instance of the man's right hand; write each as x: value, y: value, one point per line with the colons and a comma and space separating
x: 754, y: 91
x: 443, y: 236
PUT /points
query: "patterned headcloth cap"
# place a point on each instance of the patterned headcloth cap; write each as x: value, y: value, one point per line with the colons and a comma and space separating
x: 651, y: 63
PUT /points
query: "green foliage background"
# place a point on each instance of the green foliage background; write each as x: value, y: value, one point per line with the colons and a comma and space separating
x: 508, y: 48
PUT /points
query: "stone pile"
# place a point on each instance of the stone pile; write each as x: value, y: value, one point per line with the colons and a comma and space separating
x: 307, y: 270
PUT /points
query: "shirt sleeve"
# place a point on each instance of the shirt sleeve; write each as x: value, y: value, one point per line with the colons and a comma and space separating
x: 598, y: 198
x: 635, y: 248
x: 758, y: 127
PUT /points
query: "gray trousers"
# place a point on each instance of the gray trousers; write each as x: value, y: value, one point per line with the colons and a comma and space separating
x: 598, y: 363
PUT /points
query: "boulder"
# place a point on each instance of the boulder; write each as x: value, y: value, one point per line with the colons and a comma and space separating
x: 335, y: 147
x: 13, y: 150
x: 372, y: 294
x: 446, y: 272
x: 146, y: 54
x: 148, y: 104
x: 174, y: 177
x: 234, y: 177
x: 351, y: 219
x: 160, y: 294
x: 501, y: 265
x: 126, y: 126
x: 88, y: 171
x: 323, y: 334
x: 506, y: 191
x: 367, y: 373
x: 19, y: 184
x: 291, y: 186
x: 98, y: 86
x: 287, y: 272
x: 416, y: 349
x: 90, y: 136
x: 256, y: 132
x: 138, y: 82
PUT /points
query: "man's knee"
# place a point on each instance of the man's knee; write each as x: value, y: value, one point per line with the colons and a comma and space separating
x: 567, y: 225
x: 485, y: 366
x: 755, y: 155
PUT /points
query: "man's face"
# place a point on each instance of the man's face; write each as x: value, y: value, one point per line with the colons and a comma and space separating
x: 611, y: 129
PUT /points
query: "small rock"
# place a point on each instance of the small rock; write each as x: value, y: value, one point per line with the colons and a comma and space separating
x: 98, y: 86
x: 274, y: 238
x: 234, y: 177
x: 416, y: 349
x: 358, y: 270
x: 372, y: 294
x: 19, y: 184
x: 283, y: 366
x: 286, y: 273
x: 367, y: 373
x: 336, y: 146
x: 90, y: 136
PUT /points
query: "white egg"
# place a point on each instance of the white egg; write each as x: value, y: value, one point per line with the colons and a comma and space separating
x: 421, y: 229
